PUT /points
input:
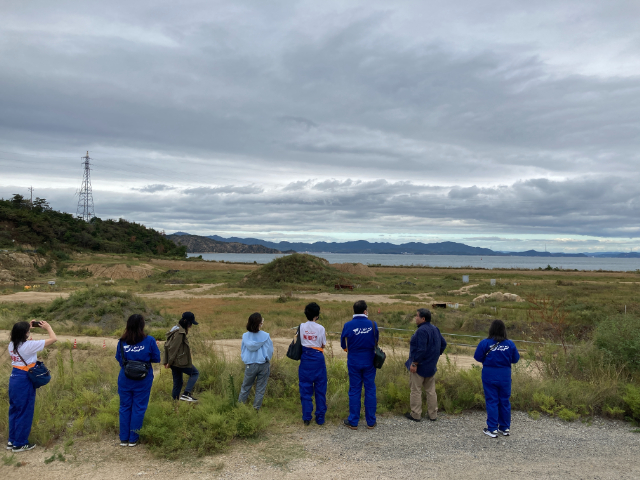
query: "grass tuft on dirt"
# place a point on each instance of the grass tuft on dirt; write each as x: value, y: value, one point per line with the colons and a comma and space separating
x: 295, y: 269
x: 96, y: 311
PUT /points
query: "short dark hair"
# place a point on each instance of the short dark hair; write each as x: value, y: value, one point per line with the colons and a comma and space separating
x: 19, y: 334
x: 359, y: 307
x: 312, y: 311
x: 424, y: 313
x: 498, y: 331
x: 253, y: 324
x: 134, y: 331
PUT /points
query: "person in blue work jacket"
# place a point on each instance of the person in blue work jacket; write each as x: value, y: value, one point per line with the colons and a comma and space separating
x: 427, y: 344
x: 312, y: 372
x: 134, y: 394
x: 22, y: 393
x: 358, y: 339
x: 497, y: 354
x: 256, y: 352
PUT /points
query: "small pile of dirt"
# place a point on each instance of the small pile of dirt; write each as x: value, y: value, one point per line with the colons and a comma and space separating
x: 499, y: 297
x: 295, y: 269
x: 115, y: 272
x: 355, y: 269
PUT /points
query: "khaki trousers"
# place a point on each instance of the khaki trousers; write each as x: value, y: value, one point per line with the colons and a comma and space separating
x: 417, y: 384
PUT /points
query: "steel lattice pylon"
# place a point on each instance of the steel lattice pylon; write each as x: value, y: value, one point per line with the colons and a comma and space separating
x: 85, y: 196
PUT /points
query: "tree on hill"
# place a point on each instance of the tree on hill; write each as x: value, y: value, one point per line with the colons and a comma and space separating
x: 39, y: 225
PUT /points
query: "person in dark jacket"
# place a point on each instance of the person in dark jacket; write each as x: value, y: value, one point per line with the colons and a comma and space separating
x: 358, y: 339
x: 427, y: 344
x: 134, y: 394
x: 497, y: 354
x: 177, y: 356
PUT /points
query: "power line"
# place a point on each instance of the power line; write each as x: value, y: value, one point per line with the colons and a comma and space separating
x: 85, y: 196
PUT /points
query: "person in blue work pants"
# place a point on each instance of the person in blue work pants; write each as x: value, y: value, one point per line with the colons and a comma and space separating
x: 497, y: 353
x: 358, y: 339
x: 134, y: 394
x: 22, y: 392
x: 312, y: 372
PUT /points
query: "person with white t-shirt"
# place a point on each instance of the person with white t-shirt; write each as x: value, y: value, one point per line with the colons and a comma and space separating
x: 312, y: 373
x: 22, y: 393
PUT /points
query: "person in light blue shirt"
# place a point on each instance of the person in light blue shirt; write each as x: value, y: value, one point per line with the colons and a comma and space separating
x: 256, y: 352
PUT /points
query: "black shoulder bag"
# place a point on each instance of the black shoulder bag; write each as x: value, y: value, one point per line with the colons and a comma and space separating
x: 379, y: 356
x: 492, y: 348
x: 38, y: 374
x: 295, y: 348
x: 134, y: 370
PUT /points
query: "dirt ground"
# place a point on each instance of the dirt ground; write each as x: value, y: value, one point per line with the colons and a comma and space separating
x: 452, y: 447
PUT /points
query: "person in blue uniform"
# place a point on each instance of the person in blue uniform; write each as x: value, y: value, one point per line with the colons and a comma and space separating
x: 312, y: 372
x: 358, y: 339
x: 22, y: 393
x: 134, y: 394
x: 497, y: 353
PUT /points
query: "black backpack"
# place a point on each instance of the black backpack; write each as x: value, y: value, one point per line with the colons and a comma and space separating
x: 134, y: 370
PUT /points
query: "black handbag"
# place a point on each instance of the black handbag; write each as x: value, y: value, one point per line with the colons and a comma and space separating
x: 379, y: 356
x: 38, y: 374
x: 133, y: 369
x: 295, y: 348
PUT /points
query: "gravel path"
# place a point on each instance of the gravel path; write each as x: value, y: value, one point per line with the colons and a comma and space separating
x: 452, y: 447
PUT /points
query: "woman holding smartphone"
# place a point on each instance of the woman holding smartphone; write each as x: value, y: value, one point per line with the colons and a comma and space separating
x: 22, y: 393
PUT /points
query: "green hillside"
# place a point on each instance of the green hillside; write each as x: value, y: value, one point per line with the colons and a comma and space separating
x: 42, y: 227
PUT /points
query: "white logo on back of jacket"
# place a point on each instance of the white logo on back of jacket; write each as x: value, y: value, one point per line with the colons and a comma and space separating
x: 360, y: 331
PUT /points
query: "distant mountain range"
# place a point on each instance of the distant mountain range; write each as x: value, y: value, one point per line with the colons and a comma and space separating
x: 362, y: 246
x: 198, y: 244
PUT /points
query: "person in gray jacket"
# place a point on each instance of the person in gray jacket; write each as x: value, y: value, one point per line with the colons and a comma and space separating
x: 177, y: 356
x: 256, y: 352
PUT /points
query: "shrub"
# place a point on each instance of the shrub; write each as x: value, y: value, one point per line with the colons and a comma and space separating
x: 619, y: 337
x: 632, y: 400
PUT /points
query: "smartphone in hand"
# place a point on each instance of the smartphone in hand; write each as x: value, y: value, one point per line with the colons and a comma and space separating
x: 35, y: 323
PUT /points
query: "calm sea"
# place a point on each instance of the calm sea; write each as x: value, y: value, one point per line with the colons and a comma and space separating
x: 457, y: 261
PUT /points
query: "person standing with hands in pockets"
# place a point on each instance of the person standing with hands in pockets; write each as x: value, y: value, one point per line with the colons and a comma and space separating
x: 22, y: 393
x: 359, y: 338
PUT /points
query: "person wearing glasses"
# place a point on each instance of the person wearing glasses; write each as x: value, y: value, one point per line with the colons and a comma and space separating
x: 256, y: 352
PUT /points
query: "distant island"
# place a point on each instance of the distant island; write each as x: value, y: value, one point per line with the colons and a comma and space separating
x: 245, y: 245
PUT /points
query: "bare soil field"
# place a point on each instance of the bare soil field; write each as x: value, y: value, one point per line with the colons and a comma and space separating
x: 452, y: 447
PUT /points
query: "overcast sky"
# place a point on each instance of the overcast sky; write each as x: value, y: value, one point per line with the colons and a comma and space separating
x: 503, y: 124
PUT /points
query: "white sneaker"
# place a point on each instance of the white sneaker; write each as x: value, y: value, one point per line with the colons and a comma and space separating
x: 490, y: 433
x: 124, y: 444
x: 9, y: 446
x: 134, y: 444
x: 506, y: 432
x: 186, y: 397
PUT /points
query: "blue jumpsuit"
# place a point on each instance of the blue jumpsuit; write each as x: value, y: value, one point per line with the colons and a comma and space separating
x: 496, y: 380
x: 312, y: 376
x: 134, y: 394
x: 359, y: 337
x: 22, y: 401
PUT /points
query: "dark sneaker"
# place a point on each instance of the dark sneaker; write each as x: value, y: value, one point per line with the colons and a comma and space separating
x: 9, y: 446
x: 371, y: 427
x: 490, y: 433
x: 410, y: 417
x: 504, y: 431
x: 134, y: 444
x: 433, y: 419
x: 307, y: 422
x: 187, y: 397
x: 319, y: 422
x: 346, y: 423
x: 24, y: 448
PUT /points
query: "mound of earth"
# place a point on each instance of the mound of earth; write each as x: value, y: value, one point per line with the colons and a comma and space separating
x: 115, y: 272
x: 355, y: 269
x: 19, y: 266
x: 296, y: 269
x: 104, y: 309
x: 499, y: 297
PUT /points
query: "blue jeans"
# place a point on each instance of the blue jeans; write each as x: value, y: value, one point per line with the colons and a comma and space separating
x: 22, y: 401
x: 177, y: 373
x: 359, y: 375
x: 258, y: 372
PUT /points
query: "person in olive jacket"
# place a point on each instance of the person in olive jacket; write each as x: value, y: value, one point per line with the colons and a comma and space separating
x: 177, y: 356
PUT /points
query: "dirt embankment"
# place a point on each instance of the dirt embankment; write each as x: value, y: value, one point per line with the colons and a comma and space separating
x: 17, y: 267
x: 116, y: 272
x: 355, y: 269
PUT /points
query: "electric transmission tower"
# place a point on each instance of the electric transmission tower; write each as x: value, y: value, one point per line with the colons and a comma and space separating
x: 85, y: 197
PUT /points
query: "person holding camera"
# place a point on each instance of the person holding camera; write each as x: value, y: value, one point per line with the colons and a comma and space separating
x: 135, y: 353
x: 256, y: 351
x: 427, y: 344
x: 22, y: 392
x: 312, y: 372
x: 177, y: 356
x: 359, y: 338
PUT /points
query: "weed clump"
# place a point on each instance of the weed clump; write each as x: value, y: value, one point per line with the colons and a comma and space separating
x: 295, y: 269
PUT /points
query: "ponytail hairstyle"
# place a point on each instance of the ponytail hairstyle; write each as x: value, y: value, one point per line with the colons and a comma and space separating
x: 19, y: 334
x: 134, y: 332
